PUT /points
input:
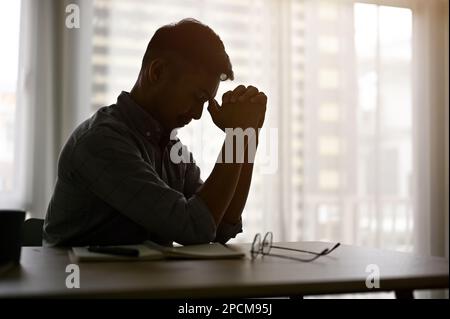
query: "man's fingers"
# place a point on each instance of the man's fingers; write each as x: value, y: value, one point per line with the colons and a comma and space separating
x: 237, y: 92
x: 260, y: 98
x: 251, y: 92
x: 226, y: 97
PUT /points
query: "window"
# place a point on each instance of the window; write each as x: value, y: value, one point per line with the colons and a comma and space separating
x: 383, y: 48
x: 338, y: 77
x: 9, y: 33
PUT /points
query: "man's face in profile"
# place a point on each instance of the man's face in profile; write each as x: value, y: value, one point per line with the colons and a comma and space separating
x: 182, y: 98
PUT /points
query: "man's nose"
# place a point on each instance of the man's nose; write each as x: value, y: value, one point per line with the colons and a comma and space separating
x: 197, y: 111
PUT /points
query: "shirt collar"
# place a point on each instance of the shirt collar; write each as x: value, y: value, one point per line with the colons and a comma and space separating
x: 140, y: 119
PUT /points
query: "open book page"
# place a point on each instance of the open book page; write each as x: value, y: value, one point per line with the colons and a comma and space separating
x: 203, y: 251
x: 152, y: 251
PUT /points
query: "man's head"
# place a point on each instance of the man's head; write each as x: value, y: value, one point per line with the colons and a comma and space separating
x: 181, y: 70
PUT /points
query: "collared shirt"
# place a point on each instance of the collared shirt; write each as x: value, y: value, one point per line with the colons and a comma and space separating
x: 116, y: 184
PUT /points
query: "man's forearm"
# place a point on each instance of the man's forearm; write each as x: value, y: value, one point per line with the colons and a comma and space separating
x: 237, y: 204
x: 220, y: 187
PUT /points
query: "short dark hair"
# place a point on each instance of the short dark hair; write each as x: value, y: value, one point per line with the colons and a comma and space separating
x: 194, y: 41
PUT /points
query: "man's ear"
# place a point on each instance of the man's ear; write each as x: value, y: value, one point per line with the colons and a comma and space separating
x: 156, y: 71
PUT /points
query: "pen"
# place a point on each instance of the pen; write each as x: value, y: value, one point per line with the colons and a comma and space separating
x: 120, y: 251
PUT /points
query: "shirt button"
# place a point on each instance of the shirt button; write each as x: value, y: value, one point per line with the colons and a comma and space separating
x: 147, y: 133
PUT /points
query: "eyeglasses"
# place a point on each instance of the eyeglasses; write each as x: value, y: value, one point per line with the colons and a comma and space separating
x: 265, y: 246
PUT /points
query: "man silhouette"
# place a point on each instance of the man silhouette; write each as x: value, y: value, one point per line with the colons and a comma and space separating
x: 116, y: 181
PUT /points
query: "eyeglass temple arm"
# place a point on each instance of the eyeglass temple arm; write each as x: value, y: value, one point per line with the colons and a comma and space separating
x: 324, y: 252
x: 294, y: 258
x: 293, y: 249
x: 333, y: 248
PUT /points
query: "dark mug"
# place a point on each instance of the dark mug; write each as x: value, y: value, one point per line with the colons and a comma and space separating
x: 11, y: 224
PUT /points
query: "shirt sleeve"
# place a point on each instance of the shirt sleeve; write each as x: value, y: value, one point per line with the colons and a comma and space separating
x: 226, y: 231
x: 109, y: 163
x: 192, y: 183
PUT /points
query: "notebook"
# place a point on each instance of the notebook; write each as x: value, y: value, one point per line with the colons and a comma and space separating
x: 152, y: 251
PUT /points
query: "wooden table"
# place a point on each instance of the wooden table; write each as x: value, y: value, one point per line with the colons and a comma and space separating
x: 42, y: 273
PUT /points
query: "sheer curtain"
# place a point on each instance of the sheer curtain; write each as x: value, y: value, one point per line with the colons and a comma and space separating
x: 53, y: 94
x: 354, y: 148
x: 36, y: 103
x: 11, y: 182
x: 431, y: 127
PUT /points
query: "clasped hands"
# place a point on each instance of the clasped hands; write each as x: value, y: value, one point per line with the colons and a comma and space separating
x: 244, y: 107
